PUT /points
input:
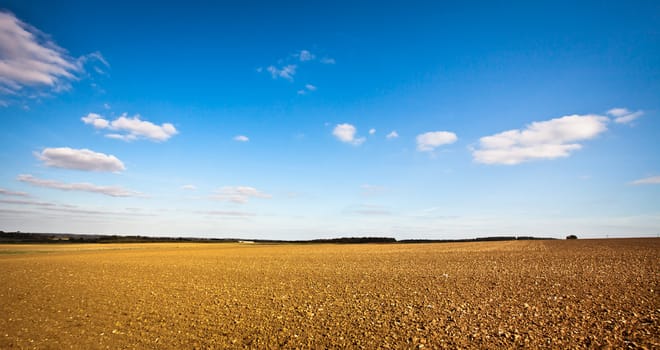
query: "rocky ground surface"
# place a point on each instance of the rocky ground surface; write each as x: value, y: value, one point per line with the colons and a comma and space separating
x: 531, y: 294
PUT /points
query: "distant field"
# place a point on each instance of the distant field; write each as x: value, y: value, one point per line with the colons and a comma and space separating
x: 558, y: 294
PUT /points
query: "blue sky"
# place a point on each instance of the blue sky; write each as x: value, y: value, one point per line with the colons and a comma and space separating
x: 302, y: 119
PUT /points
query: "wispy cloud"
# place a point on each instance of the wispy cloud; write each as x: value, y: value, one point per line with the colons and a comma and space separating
x: 286, y: 72
x: 67, y: 208
x: 6, y: 192
x: 113, y: 191
x: 308, y: 88
x: 189, y: 187
x: 392, y: 135
x: 433, y: 213
x: 346, y: 133
x: 27, y: 202
x: 131, y: 128
x: 14, y: 212
x: 429, y: 141
x: 227, y: 213
x: 372, y: 131
x: 653, y: 180
x: 623, y: 115
x: 239, y: 194
x: 80, y: 159
x: 31, y: 64
x: 372, y: 190
x: 305, y: 55
x: 95, y: 56
x: 78, y: 211
x: 287, y: 67
x: 241, y: 138
x: 371, y: 210
x: 554, y: 138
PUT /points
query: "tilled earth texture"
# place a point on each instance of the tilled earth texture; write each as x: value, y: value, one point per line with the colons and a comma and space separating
x: 517, y: 294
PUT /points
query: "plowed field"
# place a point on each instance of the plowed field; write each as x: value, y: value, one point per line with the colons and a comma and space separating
x: 533, y: 294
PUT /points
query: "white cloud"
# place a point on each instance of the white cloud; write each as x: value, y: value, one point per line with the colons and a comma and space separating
x: 29, y: 58
x: 372, y: 131
x: 113, y: 191
x: 346, y: 133
x: 623, y: 115
x: 239, y: 194
x: 106, y: 106
x: 555, y: 138
x: 392, y: 135
x: 31, y: 64
x: 241, y: 138
x: 96, y: 121
x: 140, y: 128
x: 189, y: 187
x: 6, y: 192
x: 287, y: 72
x: 305, y: 55
x: 80, y: 159
x: 131, y: 128
x: 429, y: 141
x: 653, y: 180
x: 618, y: 112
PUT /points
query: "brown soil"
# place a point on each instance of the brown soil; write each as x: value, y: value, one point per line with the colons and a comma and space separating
x: 532, y: 294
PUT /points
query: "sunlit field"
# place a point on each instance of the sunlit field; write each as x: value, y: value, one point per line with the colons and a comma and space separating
x: 558, y: 294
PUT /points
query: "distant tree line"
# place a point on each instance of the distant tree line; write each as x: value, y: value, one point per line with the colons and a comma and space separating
x: 23, y: 237
x: 478, y: 239
x: 342, y: 240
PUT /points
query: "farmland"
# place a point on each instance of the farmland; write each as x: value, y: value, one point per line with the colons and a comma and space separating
x: 556, y: 294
